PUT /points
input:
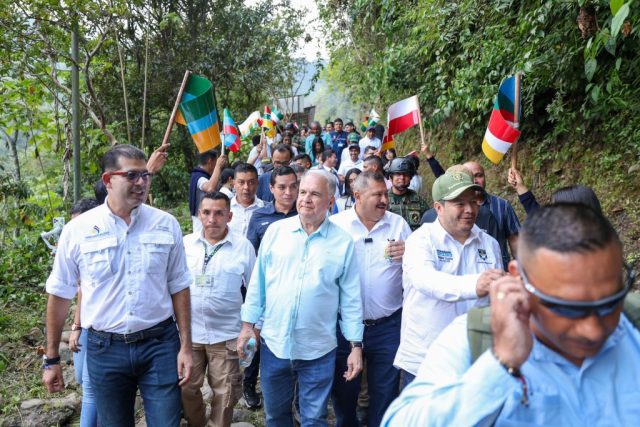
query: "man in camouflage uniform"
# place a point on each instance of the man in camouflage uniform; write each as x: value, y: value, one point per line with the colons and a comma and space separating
x: 402, y: 200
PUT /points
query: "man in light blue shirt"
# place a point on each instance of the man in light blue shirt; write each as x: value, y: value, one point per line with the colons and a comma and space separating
x: 305, y: 281
x: 562, y: 352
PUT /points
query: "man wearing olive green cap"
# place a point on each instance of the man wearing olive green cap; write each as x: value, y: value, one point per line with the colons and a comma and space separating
x: 448, y: 266
x: 352, y: 139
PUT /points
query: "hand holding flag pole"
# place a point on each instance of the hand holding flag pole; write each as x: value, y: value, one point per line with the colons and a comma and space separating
x: 516, y: 122
x: 172, y: 119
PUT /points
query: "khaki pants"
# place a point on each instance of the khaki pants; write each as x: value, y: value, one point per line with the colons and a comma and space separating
x: 223, y: 373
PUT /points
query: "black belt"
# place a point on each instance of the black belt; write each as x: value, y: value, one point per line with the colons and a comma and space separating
x: 152, y: 332
x: 374, y: 322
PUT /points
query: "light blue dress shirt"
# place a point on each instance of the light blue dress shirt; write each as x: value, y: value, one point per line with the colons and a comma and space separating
x: 299, y: 284
x: 604, y: 391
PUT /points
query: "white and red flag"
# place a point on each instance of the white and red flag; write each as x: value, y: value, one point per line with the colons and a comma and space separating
x: 401, y: 116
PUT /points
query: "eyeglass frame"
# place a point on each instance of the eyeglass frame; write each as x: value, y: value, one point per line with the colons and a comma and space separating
x: 589, y: 307
x: 145, y: 175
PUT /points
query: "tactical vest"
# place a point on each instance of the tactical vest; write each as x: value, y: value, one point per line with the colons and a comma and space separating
x: 410, y: 206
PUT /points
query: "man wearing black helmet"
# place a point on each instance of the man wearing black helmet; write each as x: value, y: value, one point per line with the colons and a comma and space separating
x: 402, y: 200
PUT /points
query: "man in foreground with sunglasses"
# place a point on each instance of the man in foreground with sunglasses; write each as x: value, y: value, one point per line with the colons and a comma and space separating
x: 562, y: 352
x: 130, y: 261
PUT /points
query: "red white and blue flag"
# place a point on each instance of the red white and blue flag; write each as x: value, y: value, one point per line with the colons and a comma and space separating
x: 232, y: 139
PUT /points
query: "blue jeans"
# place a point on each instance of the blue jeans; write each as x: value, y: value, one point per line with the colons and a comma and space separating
x: 89, y: 411
x: 117, y: 369
x: 279, y: 376
x: 380, y: 344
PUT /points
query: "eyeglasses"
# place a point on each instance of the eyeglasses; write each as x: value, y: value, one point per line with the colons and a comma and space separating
x: 579, y: 309
x: 132, y: 176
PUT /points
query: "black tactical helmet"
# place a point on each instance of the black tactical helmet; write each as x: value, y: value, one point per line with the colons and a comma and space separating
x: 402, y: 165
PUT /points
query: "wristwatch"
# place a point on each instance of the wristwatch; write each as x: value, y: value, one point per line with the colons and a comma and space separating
x: 50, y: 361
x: 355, y: 344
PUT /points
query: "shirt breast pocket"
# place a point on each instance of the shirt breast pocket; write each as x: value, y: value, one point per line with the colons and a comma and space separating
x: 96, y: 257
x: 228, y: 280
x: 156, y: 248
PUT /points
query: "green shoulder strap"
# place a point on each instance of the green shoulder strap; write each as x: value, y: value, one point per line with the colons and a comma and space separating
x: 632, y: 308
x: 479, y: 324
x: 479, y: 331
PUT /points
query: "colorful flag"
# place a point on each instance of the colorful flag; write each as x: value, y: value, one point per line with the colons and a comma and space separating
x: 276, y: 115
x: 267, y: 124
x: 231, y: 133
x: 371, y: 120
x: 249, y: 125
x: 402, y: 115
x: 501, y: 132
x: 387, y: 142
x: 197, y: 111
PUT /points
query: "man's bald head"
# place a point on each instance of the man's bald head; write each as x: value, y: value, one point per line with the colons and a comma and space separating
x: 477, y: 172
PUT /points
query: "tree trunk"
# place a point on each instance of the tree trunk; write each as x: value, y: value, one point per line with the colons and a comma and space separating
x: 13, y: 143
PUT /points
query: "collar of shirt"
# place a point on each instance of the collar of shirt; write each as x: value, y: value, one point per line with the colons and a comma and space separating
x: 296, y: 226
x: 135, y: 212
x: 442, y: 235
x: 228, y: 238
x: 354, y: 219
x: 257, y: 203
x: 270, y: 208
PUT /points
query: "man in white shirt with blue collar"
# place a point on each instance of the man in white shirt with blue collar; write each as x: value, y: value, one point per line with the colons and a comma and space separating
x: 379, y: 237
x: 220, y: 261
x: 130, y: 261
x: 448, y: 267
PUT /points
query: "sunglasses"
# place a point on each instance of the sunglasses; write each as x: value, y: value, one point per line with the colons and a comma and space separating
x: 132, y: 176
x: 579, y: 309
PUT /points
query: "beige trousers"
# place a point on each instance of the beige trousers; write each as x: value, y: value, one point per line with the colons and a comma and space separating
x: 223, y: 373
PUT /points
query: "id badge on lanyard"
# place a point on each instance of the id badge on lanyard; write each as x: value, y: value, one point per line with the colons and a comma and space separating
x: 206, y: 280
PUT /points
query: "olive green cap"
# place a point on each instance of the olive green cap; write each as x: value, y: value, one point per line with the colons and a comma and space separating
x: 451, y: 185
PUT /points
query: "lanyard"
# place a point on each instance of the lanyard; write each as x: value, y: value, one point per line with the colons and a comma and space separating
x: 208, y: 257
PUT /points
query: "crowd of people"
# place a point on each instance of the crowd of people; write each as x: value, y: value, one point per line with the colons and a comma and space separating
x: 401, y: 308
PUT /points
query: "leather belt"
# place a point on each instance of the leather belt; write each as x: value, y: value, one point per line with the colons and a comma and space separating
x: 374, y: 322
x: 145, y: 334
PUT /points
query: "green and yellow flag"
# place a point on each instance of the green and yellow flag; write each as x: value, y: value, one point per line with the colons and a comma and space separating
x: 197, y: 111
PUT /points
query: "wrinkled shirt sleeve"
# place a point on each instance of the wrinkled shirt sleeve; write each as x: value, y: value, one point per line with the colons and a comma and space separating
x: 63, y: 279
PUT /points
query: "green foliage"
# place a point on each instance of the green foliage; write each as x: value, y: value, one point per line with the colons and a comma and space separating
x: 455, y: 54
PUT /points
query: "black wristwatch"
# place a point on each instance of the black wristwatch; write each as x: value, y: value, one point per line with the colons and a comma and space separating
x: 356, y: 344
x: 48, y: 362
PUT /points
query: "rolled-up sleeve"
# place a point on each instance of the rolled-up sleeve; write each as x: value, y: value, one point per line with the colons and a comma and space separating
x: 64, y: 277
x: 178, y: 275
x: 350, y: 299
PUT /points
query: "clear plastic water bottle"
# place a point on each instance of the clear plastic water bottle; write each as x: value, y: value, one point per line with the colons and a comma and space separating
x: 249, y: 351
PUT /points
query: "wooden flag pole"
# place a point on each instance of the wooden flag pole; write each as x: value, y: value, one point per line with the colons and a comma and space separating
x: 172, y: 119
x: 420, y: 123
x: 516, y: 122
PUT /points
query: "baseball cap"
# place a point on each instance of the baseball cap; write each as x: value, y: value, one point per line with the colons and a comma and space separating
x: 373, y: 128
x: 451, y: 185
x: 353, y: 137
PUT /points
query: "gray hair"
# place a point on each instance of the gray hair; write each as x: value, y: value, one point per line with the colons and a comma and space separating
x: 332, y: 183
x: 362, y: 181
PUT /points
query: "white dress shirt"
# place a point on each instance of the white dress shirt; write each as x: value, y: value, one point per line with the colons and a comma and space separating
x: 380, y: 279
x: 348, y: 165
x: 216, y: 301
x: 127, y: 272
x: 366, y: 142
x: 241, y: 215
x: 439, y: 276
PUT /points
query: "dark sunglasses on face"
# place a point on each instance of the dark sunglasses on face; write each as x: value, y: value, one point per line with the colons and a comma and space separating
x: 579, y: 309
x: 132, y: 176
